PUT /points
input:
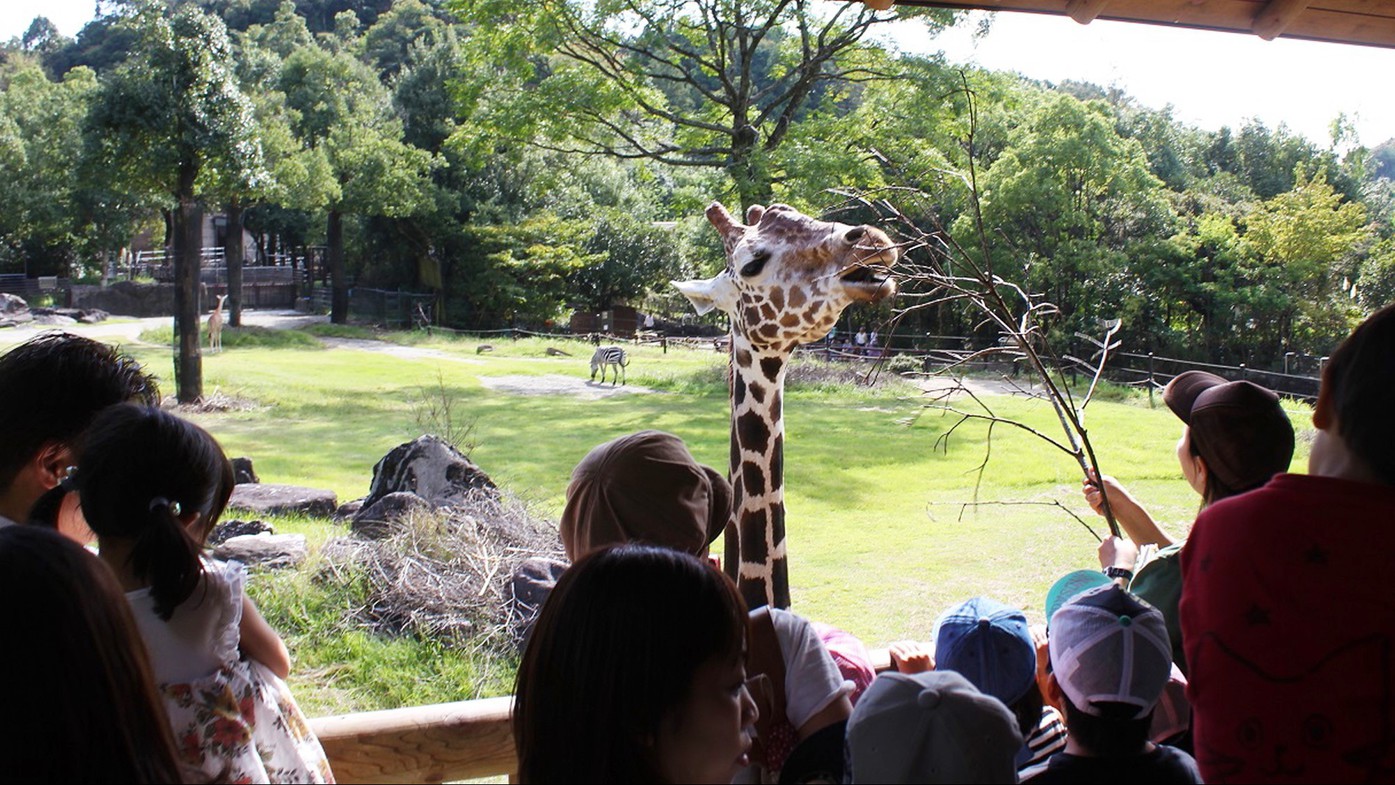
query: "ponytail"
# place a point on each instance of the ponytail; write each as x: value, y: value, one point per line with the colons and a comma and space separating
x: 167, y: 555
x: 44, y: 513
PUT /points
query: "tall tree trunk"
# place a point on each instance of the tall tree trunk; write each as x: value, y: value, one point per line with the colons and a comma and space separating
x: 339, y: 287
x: 232, y: 256
x: 188, y: 238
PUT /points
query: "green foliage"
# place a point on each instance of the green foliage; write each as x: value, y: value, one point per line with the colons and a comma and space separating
x: 42, y: 226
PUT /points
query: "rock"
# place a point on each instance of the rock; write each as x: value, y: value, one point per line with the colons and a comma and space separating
x: 92, y: 315
x: 482, y: 348
x: 430, y: 468
x: 235, y: 528
x: 554, y: 352
x: 267, y: 550
x: 529, y: 587
x: 272, y: 499
x: 375, y: 520
x: 243, y: 472
x: 14, y: 308
x: 54, y: 319
x: 348, y: 509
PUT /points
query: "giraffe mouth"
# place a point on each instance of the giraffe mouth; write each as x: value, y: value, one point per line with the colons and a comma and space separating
x: 868, y: 281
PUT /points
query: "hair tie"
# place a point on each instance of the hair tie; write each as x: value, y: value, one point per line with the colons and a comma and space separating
x: 160, y: 501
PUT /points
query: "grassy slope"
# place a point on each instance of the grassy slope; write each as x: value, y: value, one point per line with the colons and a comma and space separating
x: 878, y: 544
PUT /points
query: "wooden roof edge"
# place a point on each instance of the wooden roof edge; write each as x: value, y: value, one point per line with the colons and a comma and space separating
x: 1354, y: 23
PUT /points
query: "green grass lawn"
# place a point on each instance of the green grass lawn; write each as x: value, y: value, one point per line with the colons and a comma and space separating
x: 880, y: 538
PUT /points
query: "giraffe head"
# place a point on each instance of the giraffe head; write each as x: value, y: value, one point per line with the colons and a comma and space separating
x: 789, y: 276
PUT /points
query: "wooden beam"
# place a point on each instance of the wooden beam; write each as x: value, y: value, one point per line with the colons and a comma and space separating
x: 1085, y: 11
x: 437, y: 743
x: 1276, y: 16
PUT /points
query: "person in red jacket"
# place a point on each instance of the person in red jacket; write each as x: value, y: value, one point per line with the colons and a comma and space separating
x: 1288, y: 628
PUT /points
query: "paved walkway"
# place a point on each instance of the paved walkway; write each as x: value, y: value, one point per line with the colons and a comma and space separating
x: 127, y: 330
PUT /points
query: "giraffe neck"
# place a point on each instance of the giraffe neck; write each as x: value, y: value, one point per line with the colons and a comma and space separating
x: 757, y: 473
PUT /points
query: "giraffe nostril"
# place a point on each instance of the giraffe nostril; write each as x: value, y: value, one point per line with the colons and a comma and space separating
x: 854, y: 234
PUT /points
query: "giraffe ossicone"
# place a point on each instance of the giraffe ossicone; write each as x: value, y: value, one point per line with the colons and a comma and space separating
x: 787, y: 280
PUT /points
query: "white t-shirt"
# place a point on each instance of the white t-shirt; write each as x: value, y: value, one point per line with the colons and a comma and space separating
x: 202, y: 634
x: 5, y: 522
x: 812, y: 678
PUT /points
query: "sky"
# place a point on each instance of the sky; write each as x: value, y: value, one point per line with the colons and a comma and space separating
x: 1209, y: 78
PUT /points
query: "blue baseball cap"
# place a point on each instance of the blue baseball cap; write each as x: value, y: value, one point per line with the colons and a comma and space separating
x: 989, y: 644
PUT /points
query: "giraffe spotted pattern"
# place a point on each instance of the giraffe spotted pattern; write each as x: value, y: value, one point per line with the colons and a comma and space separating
x: 787, y: 280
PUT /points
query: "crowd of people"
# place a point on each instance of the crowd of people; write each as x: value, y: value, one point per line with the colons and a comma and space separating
x: 1257, y: 649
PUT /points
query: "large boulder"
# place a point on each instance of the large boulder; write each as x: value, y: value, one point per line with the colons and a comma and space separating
x: 271, y: 499
x: 428, y: 468
x: 432, y: 469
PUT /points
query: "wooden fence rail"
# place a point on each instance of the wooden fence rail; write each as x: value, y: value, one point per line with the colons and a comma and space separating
x: 436, y: 743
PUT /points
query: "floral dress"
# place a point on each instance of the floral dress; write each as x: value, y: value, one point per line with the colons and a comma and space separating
x: 238, y: 724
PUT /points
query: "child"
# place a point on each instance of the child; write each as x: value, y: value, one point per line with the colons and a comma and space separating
x: 152, y: 485
x: 1110, y: 660
x: 930, y: 727
x: 989, y: 644
x: 1287, y: 620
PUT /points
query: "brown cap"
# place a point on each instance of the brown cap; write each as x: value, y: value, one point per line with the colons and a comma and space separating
x: 644, y: 487
x: 1238, y: 428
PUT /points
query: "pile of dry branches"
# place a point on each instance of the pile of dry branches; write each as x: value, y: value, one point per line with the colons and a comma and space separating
x: 445, y: 575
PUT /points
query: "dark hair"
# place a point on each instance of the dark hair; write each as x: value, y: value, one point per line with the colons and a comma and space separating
x: 78, y: 669
x: 137, y: 463
x: 1356, y: 381
x: 53, y: 386
x: 1215, y: 488
x: 1027, y: 709
x: 1113, y: 732
x: 614, y: 651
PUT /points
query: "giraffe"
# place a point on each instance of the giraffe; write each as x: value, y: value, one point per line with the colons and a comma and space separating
x: 215, y: 326
x: 788, y: 278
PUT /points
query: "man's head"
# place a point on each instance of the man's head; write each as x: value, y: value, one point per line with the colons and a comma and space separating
x: 50, y: 389
x: 1355, y: 382
x: 644, y: 487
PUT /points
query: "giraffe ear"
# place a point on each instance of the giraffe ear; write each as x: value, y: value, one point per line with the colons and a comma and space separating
x: 753, y: 214
x: 719, y: 292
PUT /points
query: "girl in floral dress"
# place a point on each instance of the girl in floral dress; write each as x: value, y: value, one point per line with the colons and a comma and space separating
x: 151, y: 485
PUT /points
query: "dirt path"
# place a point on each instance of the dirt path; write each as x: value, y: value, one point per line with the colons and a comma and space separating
x: 129, y: 330
x: 956, y: 388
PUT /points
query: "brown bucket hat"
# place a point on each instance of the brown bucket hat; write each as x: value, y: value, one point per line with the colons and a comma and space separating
x: 644, y: 487
x: 1239, y: 428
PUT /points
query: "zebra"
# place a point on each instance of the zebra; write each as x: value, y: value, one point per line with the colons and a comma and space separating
x: 607, y: 356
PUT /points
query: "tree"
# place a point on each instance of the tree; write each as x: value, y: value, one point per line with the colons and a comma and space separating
x: 1066, y: 205
x: 1306, y: 240
x: 41, y: 226
x: 343, y: 111
x: 169, y: 114
x: 716, y: 84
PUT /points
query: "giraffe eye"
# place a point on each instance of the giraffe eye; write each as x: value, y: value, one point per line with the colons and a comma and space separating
x: 756, y: 264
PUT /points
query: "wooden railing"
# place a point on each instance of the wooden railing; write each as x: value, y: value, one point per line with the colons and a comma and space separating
x: 436, y: 743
